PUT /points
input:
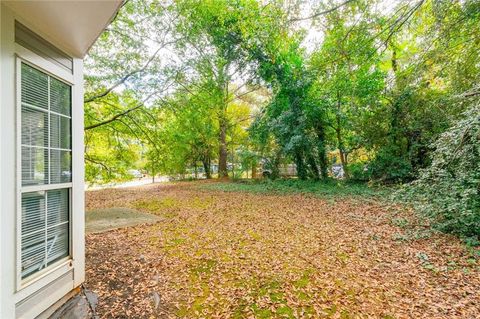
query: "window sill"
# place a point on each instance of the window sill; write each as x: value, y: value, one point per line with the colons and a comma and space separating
x: 32, y: 284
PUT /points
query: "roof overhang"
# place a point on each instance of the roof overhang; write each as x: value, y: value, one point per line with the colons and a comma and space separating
x: 72, y: 26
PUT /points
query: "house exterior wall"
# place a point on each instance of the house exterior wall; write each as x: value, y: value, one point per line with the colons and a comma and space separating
x: 20, y: 299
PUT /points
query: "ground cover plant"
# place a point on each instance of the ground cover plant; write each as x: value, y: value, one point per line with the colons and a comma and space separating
x: 333, y: 189
x: 238, y: 254
x: 448, y: 191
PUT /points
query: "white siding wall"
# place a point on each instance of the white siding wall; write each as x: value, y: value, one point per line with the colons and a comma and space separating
x: 17, y: 299
x: 7, y: 167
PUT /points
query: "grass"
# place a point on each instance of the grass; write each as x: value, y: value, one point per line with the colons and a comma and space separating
x: 330, y: 188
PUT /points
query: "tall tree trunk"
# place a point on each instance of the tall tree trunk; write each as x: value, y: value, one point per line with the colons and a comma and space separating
x: 343, y: 159
x: 341, y: 150
x: 322, y: 151
x: 206, y: 167
x: 313, y: 166
x: 338, y: 131
x: 233, y: 162
x: 223, y: 152
x: 395, y: 114
x: 395, y: 128
x: 394, y: 62
x: 276, y: 165
x: 223, y: 81
x: 301, y: 171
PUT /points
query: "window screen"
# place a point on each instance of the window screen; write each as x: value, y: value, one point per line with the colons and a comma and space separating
x: 46, y: 160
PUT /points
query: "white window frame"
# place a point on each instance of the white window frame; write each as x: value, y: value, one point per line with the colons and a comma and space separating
x: 35, y: 281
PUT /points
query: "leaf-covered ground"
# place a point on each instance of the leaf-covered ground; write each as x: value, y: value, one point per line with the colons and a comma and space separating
x: 235, y: 254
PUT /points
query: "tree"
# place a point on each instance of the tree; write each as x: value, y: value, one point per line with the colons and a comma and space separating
x: 349, y: 79
x: 124, y: 75
x: 211, y: 45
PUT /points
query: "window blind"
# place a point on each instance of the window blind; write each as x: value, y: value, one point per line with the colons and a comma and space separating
x: 46, y: 159
x: 46, y: 129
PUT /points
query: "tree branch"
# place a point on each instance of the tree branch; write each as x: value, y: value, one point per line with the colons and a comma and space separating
x: 322, y: 12
x: 239, y: 96
x: 89, y: 159
x: 114, y: 118
x: 126, y: 112
x: 399, y: 23
x: 250, y: 117
x: 129, y: 75
x: 119, y: 115
x: 471, y: 93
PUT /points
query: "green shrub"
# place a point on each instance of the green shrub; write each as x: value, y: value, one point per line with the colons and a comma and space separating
x: 326, y: 188
x: 360, y: 171
x: 390, y: 166
x: 449, y: 190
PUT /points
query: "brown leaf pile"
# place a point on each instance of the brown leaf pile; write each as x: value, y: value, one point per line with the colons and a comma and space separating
x: 239, y: 255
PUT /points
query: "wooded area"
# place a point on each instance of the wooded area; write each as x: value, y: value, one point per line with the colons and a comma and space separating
x: 243, y: 88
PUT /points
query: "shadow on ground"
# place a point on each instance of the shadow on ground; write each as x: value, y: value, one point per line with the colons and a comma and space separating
x: 100, y: 220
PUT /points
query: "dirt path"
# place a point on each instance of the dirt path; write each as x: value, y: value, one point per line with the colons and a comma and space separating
x: 240, y: 255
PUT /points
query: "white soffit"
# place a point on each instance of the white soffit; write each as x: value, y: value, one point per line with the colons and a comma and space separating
x: 72, y: 26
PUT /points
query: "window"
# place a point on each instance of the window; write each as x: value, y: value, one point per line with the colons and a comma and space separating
x: 46, y: 169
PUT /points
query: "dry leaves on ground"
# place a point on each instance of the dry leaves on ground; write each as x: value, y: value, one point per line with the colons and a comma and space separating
x: 238, y: 255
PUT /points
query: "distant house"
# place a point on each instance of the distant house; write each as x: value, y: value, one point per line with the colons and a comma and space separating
x: 41, y: 150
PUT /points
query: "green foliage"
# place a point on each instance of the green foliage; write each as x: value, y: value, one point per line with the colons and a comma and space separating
x: 349, y: 80
x: 418, y: 104
x: 449, y: 190
x: 247, y: 160
x: 188, y: 134
x: 122, y: 76
x: 110, y: 150
x: 390, y: 165
x: 360, y: 171
x: 292, y: 117
x: 176, y: 88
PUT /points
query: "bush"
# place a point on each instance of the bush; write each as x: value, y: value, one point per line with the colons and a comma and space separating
x: 329, y: 188
x: 449, y: 190
x: 360, y: 171
x: 389, y: 166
